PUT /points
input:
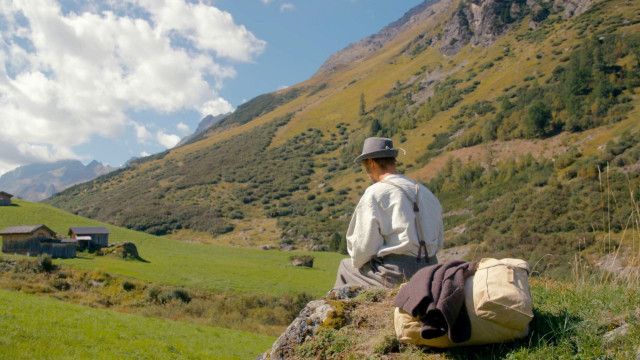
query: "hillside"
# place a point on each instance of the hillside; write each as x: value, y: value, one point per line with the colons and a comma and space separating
x: 522, y: 117
x: 37, y: 182
x: 45, y: 328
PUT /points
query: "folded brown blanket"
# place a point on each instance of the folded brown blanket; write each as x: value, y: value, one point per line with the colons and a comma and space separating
x: 435, y: 295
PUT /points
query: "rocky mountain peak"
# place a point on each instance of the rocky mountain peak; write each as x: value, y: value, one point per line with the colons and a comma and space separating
x: 370, y: 44
x: 481, y: 22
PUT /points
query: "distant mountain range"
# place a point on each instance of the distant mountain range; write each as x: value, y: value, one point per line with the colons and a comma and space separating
x: 37, y: 182
x: 204, y: 125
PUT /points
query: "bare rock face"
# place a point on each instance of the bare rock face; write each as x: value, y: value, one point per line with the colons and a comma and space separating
x: 481, y: 22
x: 306, y: 325
x: 571, y: 8
x: 308, y: 322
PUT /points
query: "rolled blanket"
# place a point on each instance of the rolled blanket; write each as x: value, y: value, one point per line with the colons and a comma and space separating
x: 435, y: 295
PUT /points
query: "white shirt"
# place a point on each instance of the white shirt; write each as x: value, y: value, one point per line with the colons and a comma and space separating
x: 384, y: 223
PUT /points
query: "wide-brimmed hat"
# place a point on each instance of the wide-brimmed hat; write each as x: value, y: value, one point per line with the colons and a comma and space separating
x: 377, y: 147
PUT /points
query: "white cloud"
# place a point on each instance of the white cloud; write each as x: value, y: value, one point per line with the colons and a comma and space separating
x: 285, y: 7
x: 216, y: 107
x: 183, y: 128
x: 167, y: 140
x: 65, y: 77
x: 144, y: 154
x: 142, y: 133
x: 266, y: 2
x: 207, y: 27
x: 282, y: 87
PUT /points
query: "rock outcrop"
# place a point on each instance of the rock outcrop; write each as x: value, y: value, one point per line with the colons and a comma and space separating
x: 316, y: 314
x: 481, y: 22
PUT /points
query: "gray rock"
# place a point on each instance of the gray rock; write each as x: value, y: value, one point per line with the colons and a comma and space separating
x: 319, y: 248
x: 480, y: 23
x: 305, y: 326
x: 287, y: 247
x: 613, y: 335
x: 344, y: 292
x: 306, y: 261
x: 571, y: 8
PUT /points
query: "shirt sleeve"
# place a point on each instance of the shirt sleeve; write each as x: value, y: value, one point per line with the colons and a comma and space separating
x: 363, y: 236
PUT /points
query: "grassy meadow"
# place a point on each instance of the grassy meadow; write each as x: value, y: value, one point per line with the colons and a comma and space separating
x: 45, y: 328
x: 171, y: 262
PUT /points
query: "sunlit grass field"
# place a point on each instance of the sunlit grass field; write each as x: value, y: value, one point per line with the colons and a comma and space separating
x: 36, y: 327
x: 171, y: 262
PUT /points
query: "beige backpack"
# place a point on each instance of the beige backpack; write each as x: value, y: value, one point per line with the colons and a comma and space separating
x: 498, y: 302
x: 501, y: 292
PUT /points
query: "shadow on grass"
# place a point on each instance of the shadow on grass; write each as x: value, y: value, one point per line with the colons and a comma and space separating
x: 546, y: 329
x: 12, y: 204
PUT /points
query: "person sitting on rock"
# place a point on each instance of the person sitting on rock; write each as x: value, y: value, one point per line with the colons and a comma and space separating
x: 396, y: 228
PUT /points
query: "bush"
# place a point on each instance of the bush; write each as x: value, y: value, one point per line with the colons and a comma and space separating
x: 163, y: 296
x: 128, y: 285
x: 45, y: 263
x: 60, y: 284
x: 538, y: 119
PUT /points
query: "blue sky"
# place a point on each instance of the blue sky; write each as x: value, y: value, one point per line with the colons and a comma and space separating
x: 94, y: 80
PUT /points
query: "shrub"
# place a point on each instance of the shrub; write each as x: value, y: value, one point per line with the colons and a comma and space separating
x: 538, y: 119
x: 60, y: 284
x: 163, y: 296
x: 128, y: 285
x: 45, y: 263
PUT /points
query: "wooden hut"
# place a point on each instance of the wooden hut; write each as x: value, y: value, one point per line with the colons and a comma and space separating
x: 92, y: 238
x: 35, y: 240
x: 25, y: 232
x: 5, y: 198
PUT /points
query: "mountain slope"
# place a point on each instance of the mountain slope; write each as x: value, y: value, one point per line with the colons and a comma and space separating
x: 36, y: 182
x: 536, y: 102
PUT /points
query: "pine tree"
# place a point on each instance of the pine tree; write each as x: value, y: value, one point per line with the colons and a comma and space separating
x: 363, y: 106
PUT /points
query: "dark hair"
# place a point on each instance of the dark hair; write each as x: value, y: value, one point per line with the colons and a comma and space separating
x: 385, y: 162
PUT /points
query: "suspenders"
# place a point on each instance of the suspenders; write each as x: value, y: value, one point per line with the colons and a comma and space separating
x: 416, y: 210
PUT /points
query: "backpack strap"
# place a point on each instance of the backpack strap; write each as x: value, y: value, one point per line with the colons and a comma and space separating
x: 416, y: 209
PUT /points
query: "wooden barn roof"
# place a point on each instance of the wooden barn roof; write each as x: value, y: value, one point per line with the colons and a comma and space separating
x: 6, y: 194
x: 88, y: 230
x: 24, y: 229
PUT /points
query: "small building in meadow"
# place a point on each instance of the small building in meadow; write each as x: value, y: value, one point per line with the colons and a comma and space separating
x: 5, y: 198
x: 34, y: 240
x: 91, y: 238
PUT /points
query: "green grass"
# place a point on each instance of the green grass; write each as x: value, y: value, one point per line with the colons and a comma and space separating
x: 172, y: 262
x: 570, y: 323
x: 44, y: 328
